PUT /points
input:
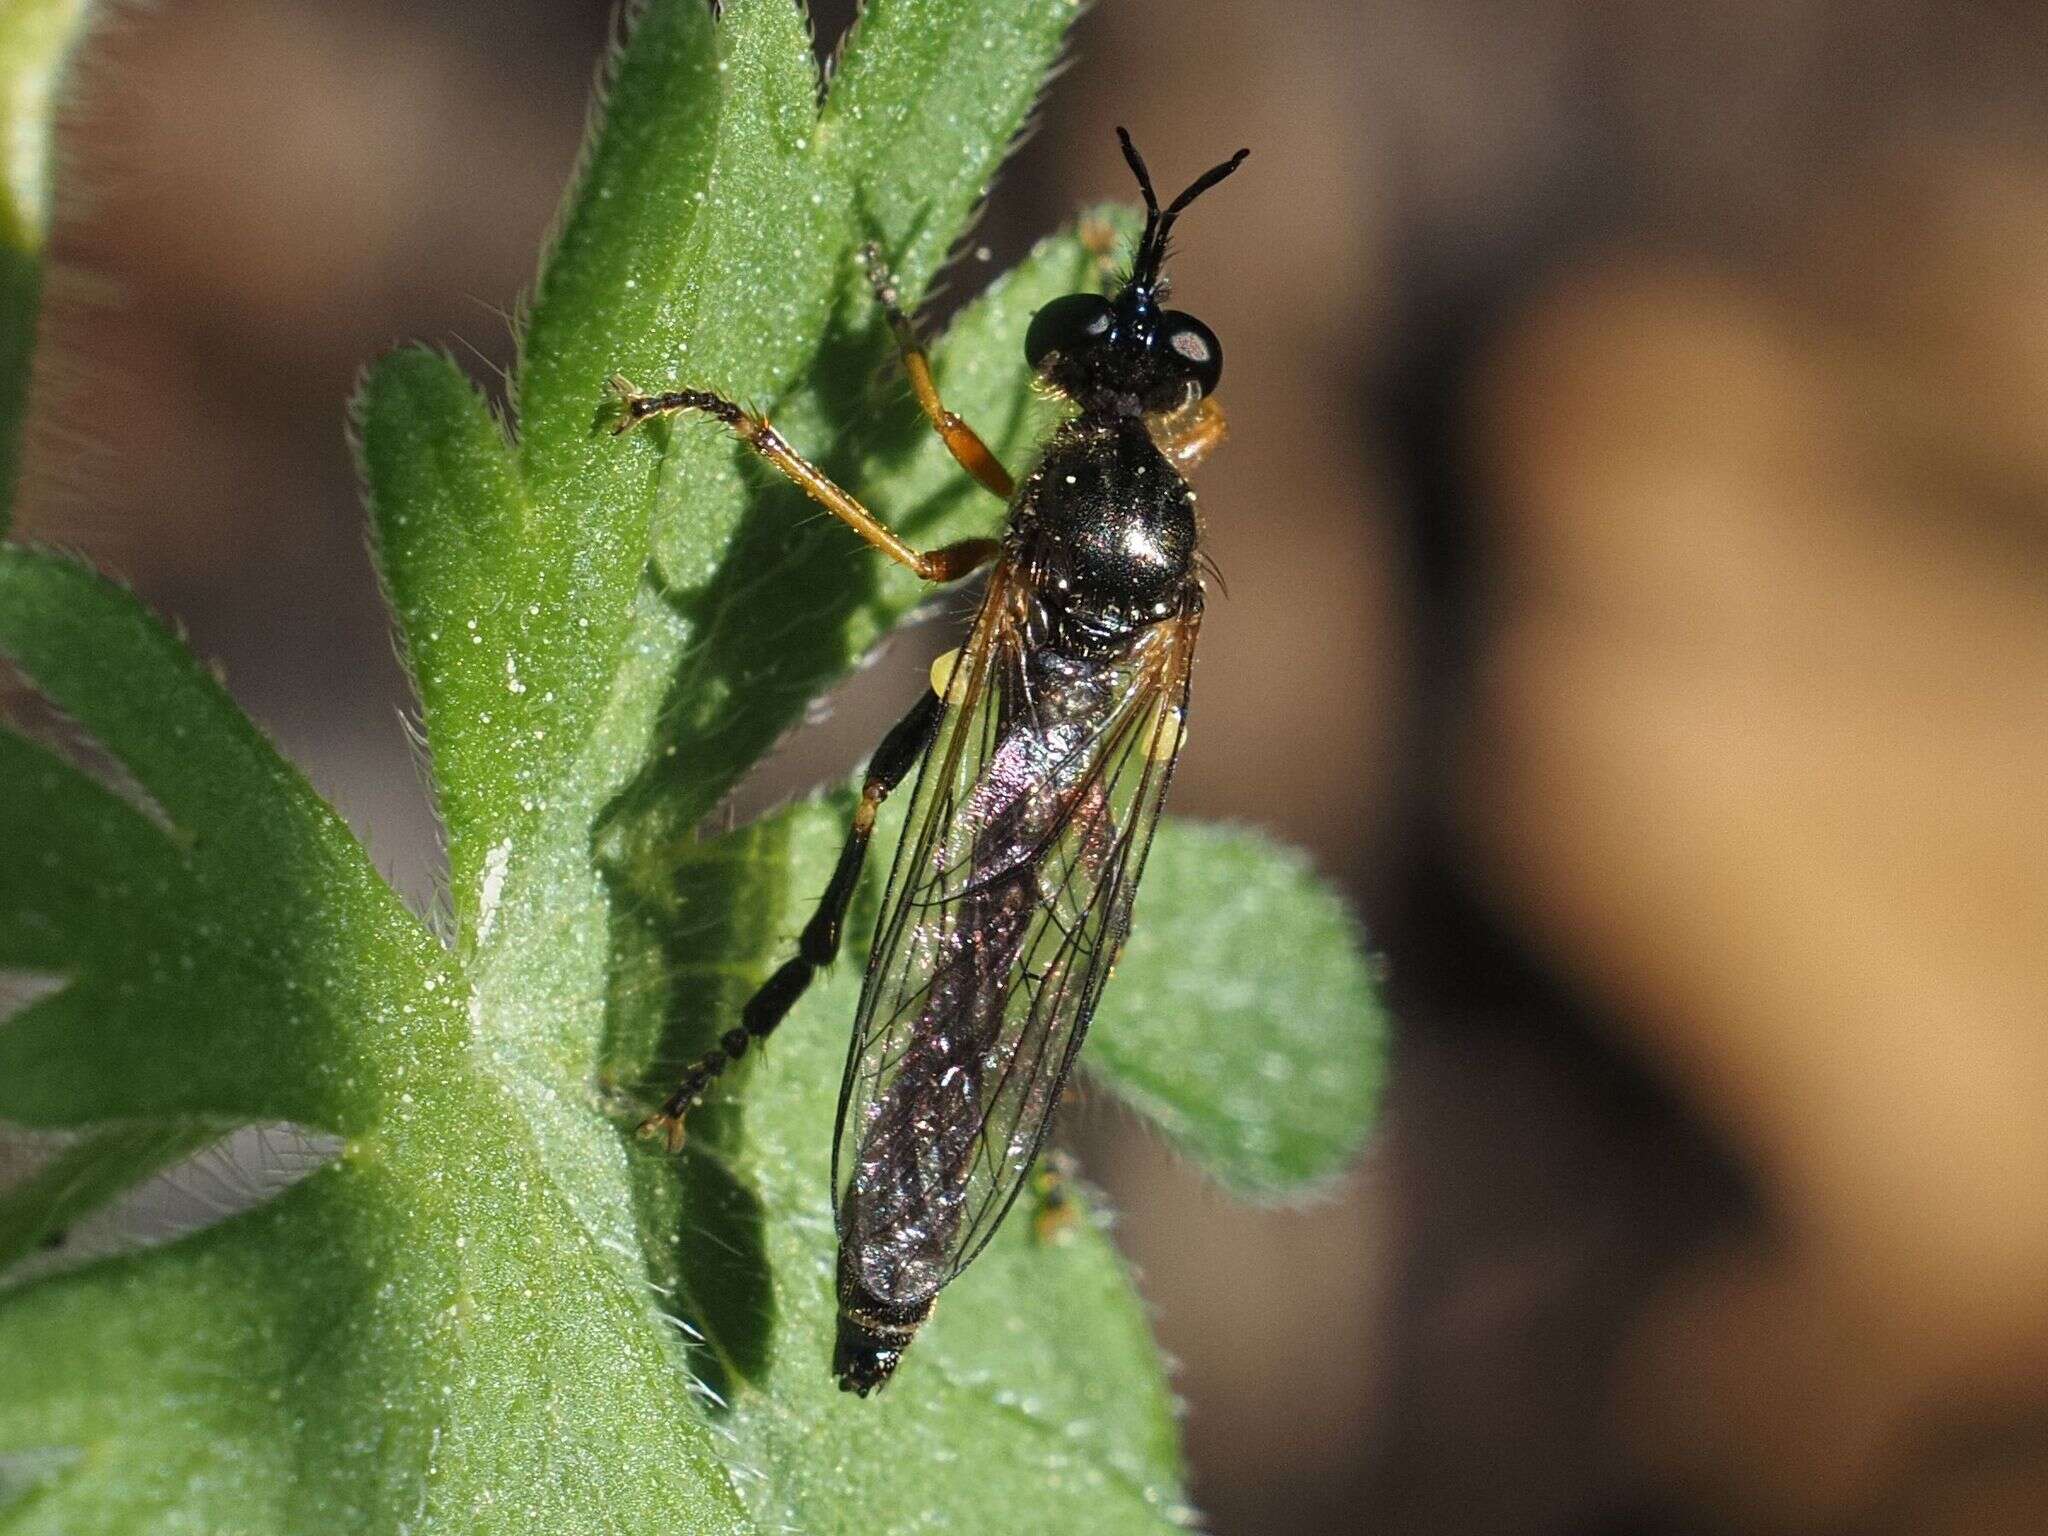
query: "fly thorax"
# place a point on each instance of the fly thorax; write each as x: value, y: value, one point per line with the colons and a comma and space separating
x: 1106, y: 526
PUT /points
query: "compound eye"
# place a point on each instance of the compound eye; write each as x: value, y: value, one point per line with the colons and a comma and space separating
x: 1066, y: 325
x: 1195, y: 346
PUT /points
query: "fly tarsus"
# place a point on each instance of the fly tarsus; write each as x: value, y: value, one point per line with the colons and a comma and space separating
x: 1058, y: 1215
x: 630, y: 408
x: 818, y: 946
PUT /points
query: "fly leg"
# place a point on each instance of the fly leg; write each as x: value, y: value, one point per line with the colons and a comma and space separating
x: 1058, y: 1214
x: 945, y: 564
x: 962, y: 441
x: 1189, y: 435
x: 894, y: 758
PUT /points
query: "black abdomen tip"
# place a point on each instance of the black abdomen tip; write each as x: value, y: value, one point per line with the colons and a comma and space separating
x: 872, y: 1333
x: 861, y: 1360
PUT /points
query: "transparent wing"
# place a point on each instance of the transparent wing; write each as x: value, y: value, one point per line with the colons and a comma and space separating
x: 1010, y: 896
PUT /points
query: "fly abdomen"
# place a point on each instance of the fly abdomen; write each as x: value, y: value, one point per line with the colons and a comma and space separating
x: 872, y: 1333
x: 901, y: 1216
x: 904, y: 1210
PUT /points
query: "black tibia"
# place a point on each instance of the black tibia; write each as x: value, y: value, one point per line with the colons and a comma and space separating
x: 819, y: 944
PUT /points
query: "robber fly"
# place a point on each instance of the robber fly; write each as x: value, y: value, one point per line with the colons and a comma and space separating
x: 1044, y: 750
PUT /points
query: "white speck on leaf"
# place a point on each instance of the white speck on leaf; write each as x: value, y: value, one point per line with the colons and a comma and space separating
x: 491, y: 887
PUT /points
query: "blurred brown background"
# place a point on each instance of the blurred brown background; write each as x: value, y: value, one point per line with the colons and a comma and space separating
x: 1637, y: 533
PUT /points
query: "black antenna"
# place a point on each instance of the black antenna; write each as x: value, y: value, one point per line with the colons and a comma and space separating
x: 1137, y: 163
x: 1159, y: 224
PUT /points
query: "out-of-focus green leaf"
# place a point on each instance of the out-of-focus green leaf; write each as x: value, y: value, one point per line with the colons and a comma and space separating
x: 1243, y: 1018
x: 86, y: 1174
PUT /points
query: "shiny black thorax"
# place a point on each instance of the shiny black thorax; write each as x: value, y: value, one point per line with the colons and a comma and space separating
x: 1104, y: 533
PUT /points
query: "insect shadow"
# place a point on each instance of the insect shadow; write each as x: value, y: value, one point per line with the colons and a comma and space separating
x: 769, y: 630
x: 697, y: 942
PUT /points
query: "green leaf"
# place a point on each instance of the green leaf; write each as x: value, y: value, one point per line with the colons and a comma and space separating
x: 1244, y: 1018
x: 911, y: 75
x: 490, y: 633
x: 408, y: 1335
x: 36, y: 41
x: 417, y: 1338
x: 227, y: 949
x: 88, y: 1173
x: 1035, y: 1387
x: 494, y: 1310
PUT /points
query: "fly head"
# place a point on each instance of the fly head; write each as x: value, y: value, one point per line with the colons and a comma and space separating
x: 1129, y: 355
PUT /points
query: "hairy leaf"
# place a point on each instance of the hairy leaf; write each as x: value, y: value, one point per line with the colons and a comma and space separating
x: 494, y: 1310
x: 1243, y: 1019
x: 1036, y: 1386
x: 87, y: 1174
x: 226, y: 947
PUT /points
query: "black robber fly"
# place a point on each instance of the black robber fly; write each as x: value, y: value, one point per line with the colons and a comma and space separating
x: 1043, y: 750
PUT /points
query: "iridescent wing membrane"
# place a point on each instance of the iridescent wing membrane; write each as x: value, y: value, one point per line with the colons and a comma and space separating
x: 1010, y: 896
